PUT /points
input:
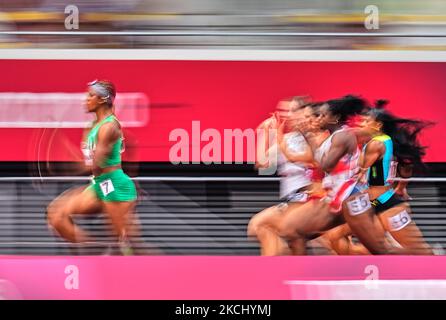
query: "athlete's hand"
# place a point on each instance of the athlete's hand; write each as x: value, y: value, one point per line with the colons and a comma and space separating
x: 281, y: 136
x: 275, y: 121
x: 402, y: 192
x: 142, y: 194
x: 362, y: 178
x: 281, y: 128
x: 270, y: 123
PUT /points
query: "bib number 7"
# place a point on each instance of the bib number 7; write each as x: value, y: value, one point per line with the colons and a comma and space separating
x: 107, y: 187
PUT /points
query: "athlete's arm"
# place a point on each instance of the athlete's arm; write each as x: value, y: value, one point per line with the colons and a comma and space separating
x: 404, y: 171
x: 341, y: 144
x: 314, y: 141
x: 374, y: 150
x: 73, y: 150
x: 266, y: 157
x: 108, y: 134
x: 266, y: 146
x: 305, y: 156
x: 292, y: 156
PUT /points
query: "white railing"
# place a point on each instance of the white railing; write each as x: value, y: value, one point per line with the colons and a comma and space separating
x: 225, y: 34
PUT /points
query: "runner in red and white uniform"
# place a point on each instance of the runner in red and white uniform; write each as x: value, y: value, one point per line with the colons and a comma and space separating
x: 339, y: 158
x: 389, y: 140
x: 341, y: 181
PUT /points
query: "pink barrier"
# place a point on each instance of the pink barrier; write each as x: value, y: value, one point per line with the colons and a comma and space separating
x: 200, y: 277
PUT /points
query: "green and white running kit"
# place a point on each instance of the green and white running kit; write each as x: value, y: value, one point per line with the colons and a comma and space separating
x: 111, y: 186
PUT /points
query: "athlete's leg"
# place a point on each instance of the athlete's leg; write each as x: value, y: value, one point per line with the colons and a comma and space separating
x: 298, y: 223
x: 75, y: 201
x: 398, y: 223
x: 120, y: 214
x: 298, y: 246
x: 137, y: 243
x: 260, y: 227
x: 320, y: 246
x: 364, y: 223
x: 339, y: 239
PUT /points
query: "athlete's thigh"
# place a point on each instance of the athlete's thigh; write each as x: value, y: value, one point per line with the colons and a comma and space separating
x: 84, y: 202
x: 64, y: 197
x: 309, y: 218
x: 398, y: 222
x: 265, y: 215
x: 361, y: 218
x: 338, y: 232
x: 271, y: 216
x: 396, y: 218
x: 119, y: 208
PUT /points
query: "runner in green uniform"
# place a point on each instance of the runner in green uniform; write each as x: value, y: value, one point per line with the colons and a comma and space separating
x: 111, y: 190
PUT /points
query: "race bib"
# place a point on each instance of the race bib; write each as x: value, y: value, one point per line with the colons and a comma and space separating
x: 359, y: 205
x: 299, y: 197
x: 107, y: 187
x: 393, y: 171
x: 399, y: 221
x: 88, y: 154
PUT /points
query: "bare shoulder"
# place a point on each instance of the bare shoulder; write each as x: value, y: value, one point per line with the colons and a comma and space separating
x: 345, y: 136
x: 345, y: 140
x: 110, y: 130
x: 375, y: 146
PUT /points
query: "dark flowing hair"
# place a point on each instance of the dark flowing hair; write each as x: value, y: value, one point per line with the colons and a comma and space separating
x: 346, y: 107
x: 404, y: 133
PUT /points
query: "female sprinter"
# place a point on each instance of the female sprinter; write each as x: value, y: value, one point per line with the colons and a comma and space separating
x: 389, y: 138
x: 338, y: 157
x: 294, y: 176
x: 297, y: 157
x: 393, y: 138
x: 111, y: 190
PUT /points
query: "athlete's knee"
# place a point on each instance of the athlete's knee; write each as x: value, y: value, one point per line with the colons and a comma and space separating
x: 253, y: 226
x: 54, y: 216
x: 258, y: 221
x: 53, y: 219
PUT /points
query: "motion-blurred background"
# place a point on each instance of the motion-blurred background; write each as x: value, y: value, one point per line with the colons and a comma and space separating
x: 403, y: 17
x: 41, y: 111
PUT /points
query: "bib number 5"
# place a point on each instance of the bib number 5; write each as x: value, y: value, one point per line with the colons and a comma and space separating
x: 359, y: 205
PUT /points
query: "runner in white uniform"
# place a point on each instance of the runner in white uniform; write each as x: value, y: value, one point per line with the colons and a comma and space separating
x: 295, y: 179
x: 302, y: 174
x: 295, y: 176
